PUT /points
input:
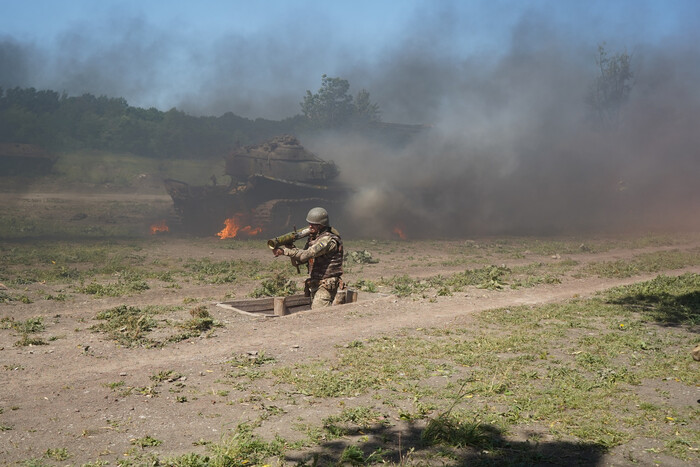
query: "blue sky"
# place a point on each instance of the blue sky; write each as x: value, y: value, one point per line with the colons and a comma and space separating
x: 257, y: 58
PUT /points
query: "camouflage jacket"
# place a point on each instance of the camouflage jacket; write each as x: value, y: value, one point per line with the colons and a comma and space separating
x: 323, y: 253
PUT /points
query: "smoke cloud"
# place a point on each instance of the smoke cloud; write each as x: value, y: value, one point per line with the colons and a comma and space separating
x: 511, y: 148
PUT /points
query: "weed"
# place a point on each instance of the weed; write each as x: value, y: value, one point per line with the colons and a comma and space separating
x: 146, y: 441
x: 34, y: 462
x: 240, y: 448
x: 58, y: 454
x: 250, y: 359
x: 361, y: 257
x: 125, y: 324
x: 360, y: 417
x: 277, y: 286
x: 365, y: 285
x: 451, y: 431
x: 27, y: 341
x: 168, y: 375
x: 353, y: 455
x: 116, y: 385
x: 201, y: 321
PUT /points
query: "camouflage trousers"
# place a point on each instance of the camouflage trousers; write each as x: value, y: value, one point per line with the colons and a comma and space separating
x: 322, y: 292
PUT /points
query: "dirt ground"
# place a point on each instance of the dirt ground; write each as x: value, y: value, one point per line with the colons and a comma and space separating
x: 59, y: 396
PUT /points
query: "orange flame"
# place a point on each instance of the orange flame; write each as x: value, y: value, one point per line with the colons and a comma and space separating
x: 159, y: 227
x: 399, y: 231
x: 232, y: 226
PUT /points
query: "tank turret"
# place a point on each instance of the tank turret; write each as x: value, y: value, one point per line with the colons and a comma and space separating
x: 273, y: 185
x: 282, y: 158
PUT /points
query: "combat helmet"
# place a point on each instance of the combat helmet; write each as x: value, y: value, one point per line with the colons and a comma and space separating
x: 317, y: 216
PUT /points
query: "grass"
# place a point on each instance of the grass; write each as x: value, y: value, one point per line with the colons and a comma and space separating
x: 132, y: 326
x: 571, y: 373
x: 124, y: 170
x: 573, y: 368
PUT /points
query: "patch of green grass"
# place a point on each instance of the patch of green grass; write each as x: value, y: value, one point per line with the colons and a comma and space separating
x: 57, y: 454
x: 645, y: 263
x: 452, y: 431
x: 30, y: 325
x: 126, y: 325
x: 352, y: 420
x: 354, y: 455
x: 224, y: 272
x: 66, y: 262
x: 318, y: 380
x: 122, y: 287
x: 242, y: 447
x: 571, y: 367
x: 123, y: 170
x: 365, y: 285
x: 669, y: 300
x: 405, y: 286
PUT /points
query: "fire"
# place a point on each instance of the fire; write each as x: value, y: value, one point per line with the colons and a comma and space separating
x: 159, y: 227
x: 232, y: 226
x: 399, y: 231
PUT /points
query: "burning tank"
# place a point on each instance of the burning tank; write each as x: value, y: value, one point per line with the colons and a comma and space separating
x: 273, y: 185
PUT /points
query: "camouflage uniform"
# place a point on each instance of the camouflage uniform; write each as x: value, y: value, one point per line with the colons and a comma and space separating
x: 324, y: 255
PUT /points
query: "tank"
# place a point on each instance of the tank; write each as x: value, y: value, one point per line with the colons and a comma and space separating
x: 273, y: 185
x: 25, y: 159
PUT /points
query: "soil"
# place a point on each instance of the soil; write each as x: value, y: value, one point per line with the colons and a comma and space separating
x: 62, y: 395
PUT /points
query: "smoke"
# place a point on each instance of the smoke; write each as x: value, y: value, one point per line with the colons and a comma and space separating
x: 511, y: 147
x: 515, y: 149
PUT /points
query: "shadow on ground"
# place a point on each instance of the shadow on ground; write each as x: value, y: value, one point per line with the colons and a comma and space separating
x: 378, y: 445
x: 665, y: 308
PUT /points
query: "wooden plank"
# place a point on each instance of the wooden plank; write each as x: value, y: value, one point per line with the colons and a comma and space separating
x: 253, y: 305
x: 280, y: 307
x: 267, y: 304
x: 297, y: 300
x: 249, y: 313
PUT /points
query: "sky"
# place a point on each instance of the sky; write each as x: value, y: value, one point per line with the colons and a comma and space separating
x: 503, y: 85
x: 257, y: 58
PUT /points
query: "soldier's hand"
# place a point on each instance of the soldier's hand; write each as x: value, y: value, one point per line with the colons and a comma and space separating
x: 278, y: 252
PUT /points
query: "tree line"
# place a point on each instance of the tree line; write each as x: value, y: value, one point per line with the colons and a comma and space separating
x: 61, y: 123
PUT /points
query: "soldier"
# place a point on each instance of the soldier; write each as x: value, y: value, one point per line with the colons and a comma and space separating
x: 323, y: 253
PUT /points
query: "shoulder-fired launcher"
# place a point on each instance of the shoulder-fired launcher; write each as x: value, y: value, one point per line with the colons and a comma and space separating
x: 288, y: 238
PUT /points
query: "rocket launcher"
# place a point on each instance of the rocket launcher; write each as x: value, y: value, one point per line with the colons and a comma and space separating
x: 288, y: 238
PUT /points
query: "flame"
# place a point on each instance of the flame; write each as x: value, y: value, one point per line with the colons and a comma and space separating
x: 399, y: 231
x: 232, y: 226
x: 159, y: 227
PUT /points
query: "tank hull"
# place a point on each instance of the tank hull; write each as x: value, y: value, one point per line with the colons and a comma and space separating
x: 273, y: 185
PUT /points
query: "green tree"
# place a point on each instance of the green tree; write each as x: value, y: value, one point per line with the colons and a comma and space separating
x: 365, y: 109
x: 333, y: 107
x: 611, y: 87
